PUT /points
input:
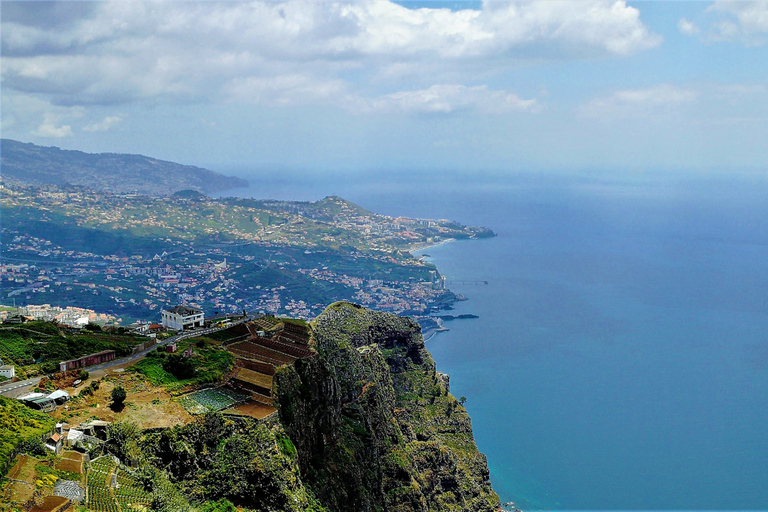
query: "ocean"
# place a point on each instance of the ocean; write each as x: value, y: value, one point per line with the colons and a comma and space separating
x: 620, y: 360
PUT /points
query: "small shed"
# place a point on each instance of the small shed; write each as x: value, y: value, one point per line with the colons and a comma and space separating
x: 54, y: 443
x: 74, y: 437
x: 59, y: 396
x: 7, y: 371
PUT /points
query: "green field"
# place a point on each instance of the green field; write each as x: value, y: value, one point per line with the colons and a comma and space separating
x: 209, y: 363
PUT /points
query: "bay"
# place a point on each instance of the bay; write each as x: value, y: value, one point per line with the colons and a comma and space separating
x: 620, y: 360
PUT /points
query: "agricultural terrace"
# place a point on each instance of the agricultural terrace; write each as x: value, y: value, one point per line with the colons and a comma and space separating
x: 34, y: 478
x: 101, y: 496
x: 213, y: 399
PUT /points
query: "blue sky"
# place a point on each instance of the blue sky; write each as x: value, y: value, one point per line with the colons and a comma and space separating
x: 321, y: 86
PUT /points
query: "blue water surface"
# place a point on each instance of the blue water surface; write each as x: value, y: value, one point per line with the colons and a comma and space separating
x: 621, y: 356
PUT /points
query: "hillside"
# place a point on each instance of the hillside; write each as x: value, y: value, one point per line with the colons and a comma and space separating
x: 30, y: 164
x: 364, y: 422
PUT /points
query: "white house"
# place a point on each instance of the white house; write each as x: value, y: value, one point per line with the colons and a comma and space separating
x: 7, y: 370
x: 182, y: 317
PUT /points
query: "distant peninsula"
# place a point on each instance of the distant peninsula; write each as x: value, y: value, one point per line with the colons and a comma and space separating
x: 30, y: 164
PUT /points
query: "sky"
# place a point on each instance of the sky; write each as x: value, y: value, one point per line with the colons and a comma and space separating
x: 326, y: 86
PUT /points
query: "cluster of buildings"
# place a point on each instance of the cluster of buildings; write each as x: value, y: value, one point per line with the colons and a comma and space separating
x: 137, y: 288
x: 45, y: 402
x: 65, y: 435
x: 72, y: 316
x: 220, y: 277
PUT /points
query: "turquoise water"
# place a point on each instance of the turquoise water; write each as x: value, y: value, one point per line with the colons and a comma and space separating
x: 621, y: 356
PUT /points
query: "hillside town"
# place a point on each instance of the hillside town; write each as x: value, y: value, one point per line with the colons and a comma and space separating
x: 273, y: 257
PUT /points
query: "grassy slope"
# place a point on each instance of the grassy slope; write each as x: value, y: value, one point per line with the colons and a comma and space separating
x: 17, y: 424
x: 38, y: 347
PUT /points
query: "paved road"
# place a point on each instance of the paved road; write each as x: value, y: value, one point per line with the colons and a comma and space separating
x: 9, y: 389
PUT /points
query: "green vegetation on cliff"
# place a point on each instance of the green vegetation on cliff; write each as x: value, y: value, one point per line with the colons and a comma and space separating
x: 243, y: 461
x: 374, y: 425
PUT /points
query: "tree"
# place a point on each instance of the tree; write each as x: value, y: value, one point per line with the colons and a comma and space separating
x: 32, y: 446
x: 121, y: 439
x: 118, y: 396
x: 179, y: 366
x: 223, y: 505
x: 463, y: 400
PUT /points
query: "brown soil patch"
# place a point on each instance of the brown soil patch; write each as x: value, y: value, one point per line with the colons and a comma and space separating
x: 79, y: 457
x: 20, y: 492
x: 146, y: 405
x: 16, y: 493
x: 50, y: 504
x: 70, y: 465
x: 24, y: 469
x: 251, y: 409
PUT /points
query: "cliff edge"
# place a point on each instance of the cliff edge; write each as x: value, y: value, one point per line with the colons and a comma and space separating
x: 374, y: 424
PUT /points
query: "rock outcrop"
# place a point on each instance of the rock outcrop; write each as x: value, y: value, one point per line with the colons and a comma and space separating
x: 374, y: 425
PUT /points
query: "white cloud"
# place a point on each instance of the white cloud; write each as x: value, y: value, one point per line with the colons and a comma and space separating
x: 643, y: 102
x: 104, y: 125
x: 744, y: 21
x: 712, y: 100
x: 296, y: 51
x: 49, y: 130
x: 687, y: 28
x: 29, y: 114
x: 293, y: 89
x: 450, y: 98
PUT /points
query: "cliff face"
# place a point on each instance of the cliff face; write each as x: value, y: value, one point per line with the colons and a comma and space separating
x: 374, y: 426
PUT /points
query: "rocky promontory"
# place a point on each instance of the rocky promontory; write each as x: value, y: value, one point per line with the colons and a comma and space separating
x: 374, y: 424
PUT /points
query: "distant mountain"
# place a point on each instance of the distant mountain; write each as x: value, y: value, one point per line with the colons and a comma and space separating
x: 112, y: 172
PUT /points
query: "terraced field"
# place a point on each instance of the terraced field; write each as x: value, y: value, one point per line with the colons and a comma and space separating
x: 214, y: 399
x: 128, y: 495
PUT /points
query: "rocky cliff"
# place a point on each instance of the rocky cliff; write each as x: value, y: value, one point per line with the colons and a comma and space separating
x: 374, y: 425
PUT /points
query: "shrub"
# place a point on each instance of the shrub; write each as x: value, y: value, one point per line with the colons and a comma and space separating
x: 92, y: 327
x: 32, y: 446
x: 179, y: 366
x: 118, y: 395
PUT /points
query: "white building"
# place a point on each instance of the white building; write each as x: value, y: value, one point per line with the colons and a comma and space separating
x: 7, y: 370
x: 182, y: 317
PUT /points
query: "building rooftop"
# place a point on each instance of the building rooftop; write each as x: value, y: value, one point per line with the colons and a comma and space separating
x: 184, y: 310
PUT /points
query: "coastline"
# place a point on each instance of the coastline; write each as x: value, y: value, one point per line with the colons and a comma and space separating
x: 421, y: 247
x: 429, y: 331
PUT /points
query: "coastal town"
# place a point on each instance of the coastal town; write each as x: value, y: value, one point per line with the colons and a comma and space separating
x: 141, y: 254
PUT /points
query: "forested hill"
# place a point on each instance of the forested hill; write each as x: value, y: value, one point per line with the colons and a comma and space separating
x: 112, y: 172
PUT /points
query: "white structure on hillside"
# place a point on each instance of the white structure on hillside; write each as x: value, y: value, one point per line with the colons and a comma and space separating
x: 182, y: 317
x: 7, y: 370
